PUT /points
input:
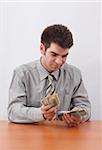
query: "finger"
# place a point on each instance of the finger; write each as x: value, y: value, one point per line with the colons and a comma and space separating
x: 50, y: 110
x: 45, y: 102
x: 64, y: 119
x: 49, y: 116
x: 76, y: 119
x: 72, y: 125
x: 68, y: 117
x: 69, y: 120
x: 45, y: 108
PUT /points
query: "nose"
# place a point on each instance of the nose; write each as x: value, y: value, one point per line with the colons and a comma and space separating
x: 59, y: 61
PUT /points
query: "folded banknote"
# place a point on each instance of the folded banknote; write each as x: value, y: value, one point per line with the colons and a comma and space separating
x: 52, y: 100
x: 77, y: 113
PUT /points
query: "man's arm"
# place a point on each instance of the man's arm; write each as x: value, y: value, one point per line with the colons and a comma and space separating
x: 80, y: 99
x: 18, y: 111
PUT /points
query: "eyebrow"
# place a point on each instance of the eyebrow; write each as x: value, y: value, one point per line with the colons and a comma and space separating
x: 65, y: 55
x: 58, y: 54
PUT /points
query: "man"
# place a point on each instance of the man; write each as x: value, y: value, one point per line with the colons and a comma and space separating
x: 30, y: 82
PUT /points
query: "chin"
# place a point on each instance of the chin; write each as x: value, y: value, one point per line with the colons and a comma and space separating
x: 55, y: 69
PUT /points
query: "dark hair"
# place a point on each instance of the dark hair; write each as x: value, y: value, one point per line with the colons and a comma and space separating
x: 59, y: 34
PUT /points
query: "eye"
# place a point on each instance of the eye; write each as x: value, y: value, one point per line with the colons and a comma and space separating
x: 53, y: 54
x: 64, y: 56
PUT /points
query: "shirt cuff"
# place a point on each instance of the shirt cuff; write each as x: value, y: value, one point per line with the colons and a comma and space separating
x: 84, y: 117
x: 35, y: 114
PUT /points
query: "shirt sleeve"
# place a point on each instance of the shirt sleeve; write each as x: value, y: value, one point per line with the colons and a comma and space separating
x: 18, y: 111
x: 80, y: 98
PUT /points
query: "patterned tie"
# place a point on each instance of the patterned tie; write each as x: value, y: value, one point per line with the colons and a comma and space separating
x: 50, y: 89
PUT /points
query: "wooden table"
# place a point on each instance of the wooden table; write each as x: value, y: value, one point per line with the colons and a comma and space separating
x: 50, y: 136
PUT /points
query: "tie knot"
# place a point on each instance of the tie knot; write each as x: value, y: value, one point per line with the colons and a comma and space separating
x: 50, y: 78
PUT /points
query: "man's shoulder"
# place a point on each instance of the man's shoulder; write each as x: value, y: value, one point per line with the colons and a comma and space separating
x: 70, y: 68
x: 72, y: 71
x: 27, y: 66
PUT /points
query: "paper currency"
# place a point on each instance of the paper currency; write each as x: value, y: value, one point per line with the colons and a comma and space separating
x: 52, y: 100
x: 77, y: 113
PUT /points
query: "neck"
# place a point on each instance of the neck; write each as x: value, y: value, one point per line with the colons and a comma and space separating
x: 41, y: 61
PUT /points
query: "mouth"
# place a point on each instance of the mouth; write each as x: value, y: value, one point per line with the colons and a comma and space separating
x: 56, y: 67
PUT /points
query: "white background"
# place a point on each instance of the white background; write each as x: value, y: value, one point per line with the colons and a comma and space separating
x: 21, y: 24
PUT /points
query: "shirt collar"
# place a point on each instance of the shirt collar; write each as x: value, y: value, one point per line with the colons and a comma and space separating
x: 44, y: 73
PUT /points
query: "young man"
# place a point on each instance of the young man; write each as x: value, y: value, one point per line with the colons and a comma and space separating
x: 30, y: 82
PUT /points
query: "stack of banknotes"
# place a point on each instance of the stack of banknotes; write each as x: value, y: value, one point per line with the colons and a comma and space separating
x: 52, y: 100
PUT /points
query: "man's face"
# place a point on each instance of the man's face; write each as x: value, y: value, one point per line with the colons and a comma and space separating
x: 54, y: 57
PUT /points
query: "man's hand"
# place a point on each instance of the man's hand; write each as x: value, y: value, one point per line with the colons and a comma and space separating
x: 72, y: 120
x: 48, y: 112
x: 52, y: 100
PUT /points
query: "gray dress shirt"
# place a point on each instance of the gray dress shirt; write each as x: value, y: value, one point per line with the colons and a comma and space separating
x: 28, y: 87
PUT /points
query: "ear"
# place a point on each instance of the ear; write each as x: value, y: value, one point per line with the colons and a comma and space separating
x: 42, y: 49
